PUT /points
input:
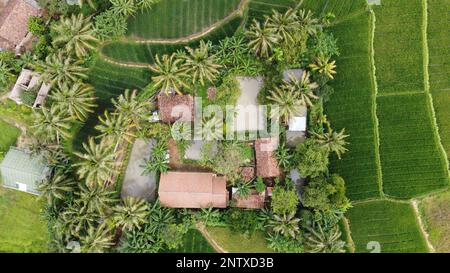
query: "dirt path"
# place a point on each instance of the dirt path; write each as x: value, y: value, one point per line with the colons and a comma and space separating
x: 422, y: 227
x: 201, y: 227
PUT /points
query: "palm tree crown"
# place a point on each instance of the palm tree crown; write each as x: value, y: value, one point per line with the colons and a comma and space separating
x: 170, y: 75
x: 76, y: 33
x: 52, y: 124
x: 200, y: 64
x: 132, y: 214
x: 262, y: 39
x: 78, y: 99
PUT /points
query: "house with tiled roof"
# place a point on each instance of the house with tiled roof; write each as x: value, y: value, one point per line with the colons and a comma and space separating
x: 192, y: 190
x: 14, y: 23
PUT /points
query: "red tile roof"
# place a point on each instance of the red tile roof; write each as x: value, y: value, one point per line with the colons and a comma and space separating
x: 266, y: 163
x: 192, y: 190
x: 14, y: 22
x: 175, y: 107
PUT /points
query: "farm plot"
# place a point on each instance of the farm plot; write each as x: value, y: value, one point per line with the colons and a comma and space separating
x: 436, y: 216
x: 132, y: 52
x: 392, y: 225
x: 109, y: 81
x: 439, y: 65
x: 342, y: 9
x: 175, y: 18
x: 351, y: 107
x: 412, y: 162
x: 399, y: 46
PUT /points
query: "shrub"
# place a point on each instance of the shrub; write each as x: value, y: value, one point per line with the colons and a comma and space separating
x: 36, y: 25
x: 284, y: 201
x: 243, y: 221
x: 312, y: 159
x: 108, y: 25
x: 28, y: 97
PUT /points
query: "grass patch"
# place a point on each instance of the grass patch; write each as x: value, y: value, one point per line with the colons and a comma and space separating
x: 175, y: 18
x: 399, y: 46
x: 8, y: 137
x: 435, y: 213
x: 350, y: 107
x: 194, y: 242
x: 411, y: 160
x: 393, y: 225
x: 238, y: 243
x: 22, y: 228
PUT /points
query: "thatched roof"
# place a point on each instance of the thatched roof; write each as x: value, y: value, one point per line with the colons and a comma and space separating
x: 266, y: 163
x: 14, y: 22
x: 173, y: 107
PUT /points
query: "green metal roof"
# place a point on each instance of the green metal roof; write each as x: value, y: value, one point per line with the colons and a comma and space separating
x: 20, y: 167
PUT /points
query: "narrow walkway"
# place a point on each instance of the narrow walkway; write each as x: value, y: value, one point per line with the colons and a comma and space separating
x: 201, y: 227
x: 422, y: 227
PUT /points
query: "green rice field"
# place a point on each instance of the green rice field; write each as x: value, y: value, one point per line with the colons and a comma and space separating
x: 399, y: 46
x: 194, y: 242
x: 175, y: 18
x: 412, y: 163
x: 391, y: 225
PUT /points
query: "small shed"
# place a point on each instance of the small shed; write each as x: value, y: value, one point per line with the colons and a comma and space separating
x: 22, y: 171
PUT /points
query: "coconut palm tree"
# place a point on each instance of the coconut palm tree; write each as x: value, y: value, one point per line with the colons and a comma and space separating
x: 200, y: 65
x: 325, y: 241
x: 96, y: 199
x: 283, y: 156
x: 170, y: 75
x: 75, y: 220
x: 288, y: 102
x: 115, y: 127
x: 285, y: 224
x: 78, y: 99
x: 97, y: 163
x: 51, y: 124
x: 124, y: 8
x: 76, y: 34
x: 5, y: 73
x: 307, y: 21
x: 56, y: 187
x: 284, y: 24
x: 60, y: 69
x: 97, y: 240
x: 262, y: 39
x: 212, y: 128
x: 333, y: 141
x: 303, y: 87
x: 324, y: 66
x: 146, y: 4
x: 156, y: 164
x: 243, y: 189
x: 131, y: 214
x: 135, y: 110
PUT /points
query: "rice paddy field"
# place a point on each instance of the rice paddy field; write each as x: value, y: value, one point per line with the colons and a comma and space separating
x: 175, y: 18
x: 392, y: 225
x: 439, y: 64
x: 258, y: 9
x: 132, y: 52
x: 412, y: 162
x: 399, y: 46
x: 351, y: 107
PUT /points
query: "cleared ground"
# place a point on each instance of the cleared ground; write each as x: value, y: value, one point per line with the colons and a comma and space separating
x: 22, y: 228
x: 436, y: 216
x: 391, y: 225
